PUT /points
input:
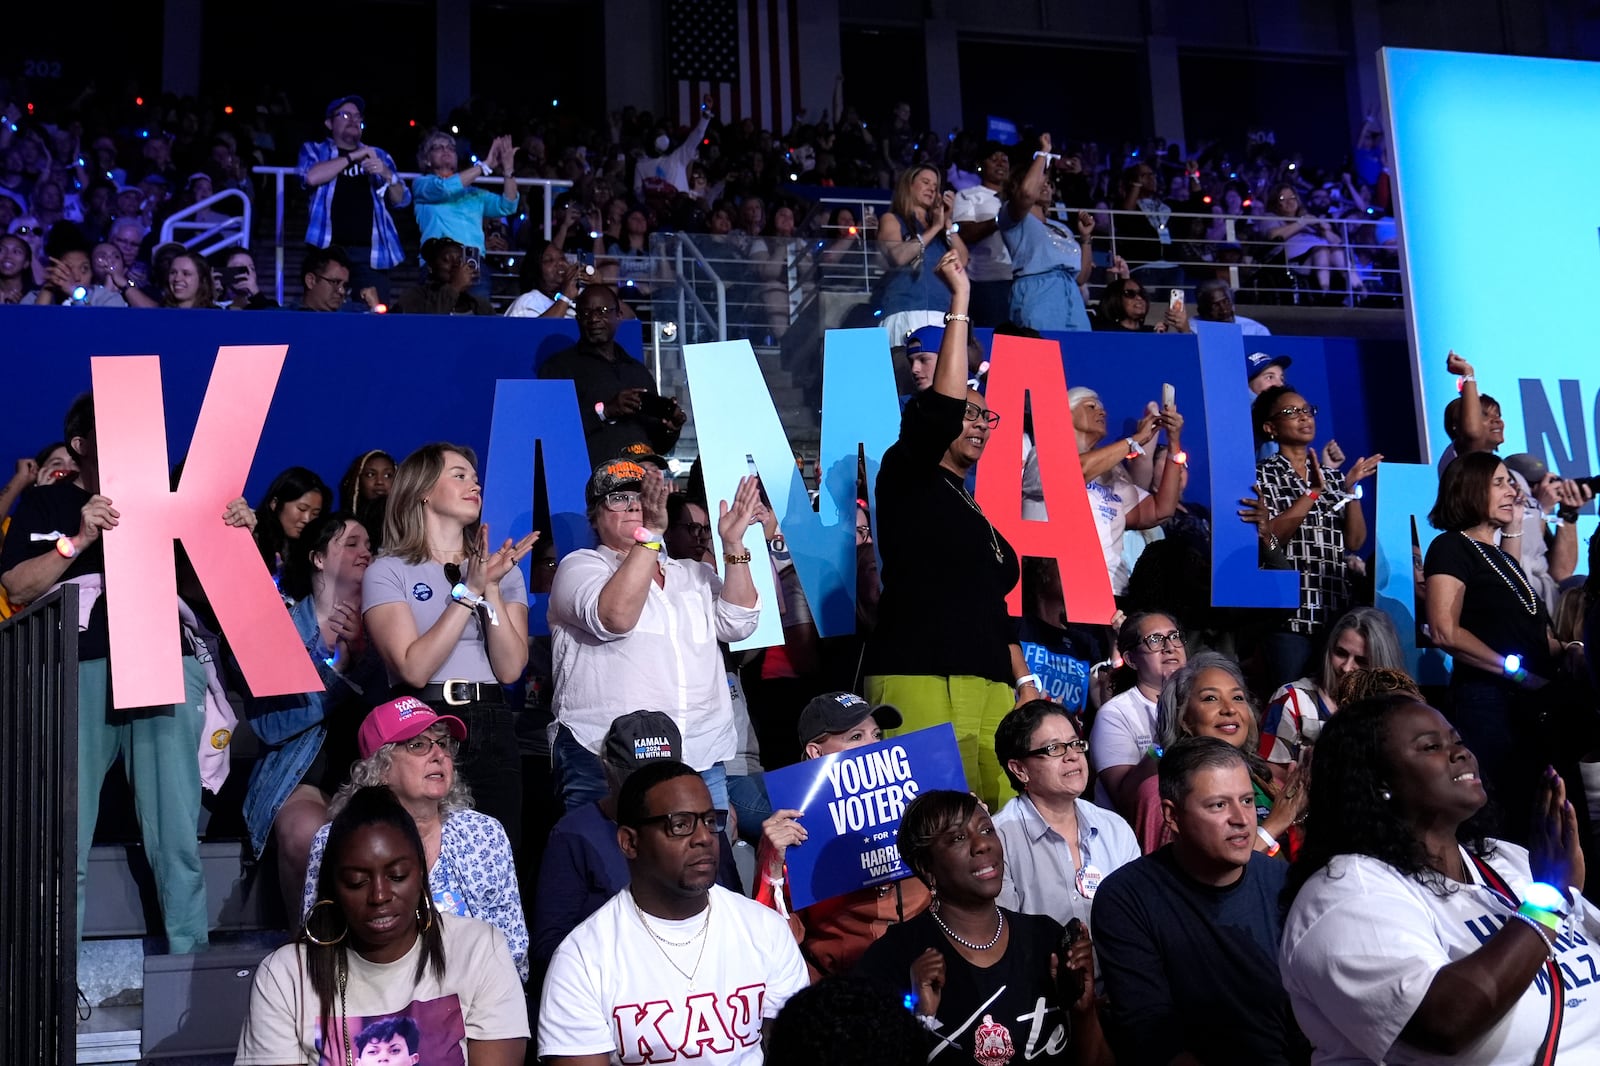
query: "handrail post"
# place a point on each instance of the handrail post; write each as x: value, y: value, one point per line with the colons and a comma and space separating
x: 277, y: 255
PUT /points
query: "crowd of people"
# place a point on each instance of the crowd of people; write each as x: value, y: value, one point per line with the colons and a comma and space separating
x: 86, y: 186
x: 1187, y: 835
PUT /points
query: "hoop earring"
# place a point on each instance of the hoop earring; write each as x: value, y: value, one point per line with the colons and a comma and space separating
x: 306, y: 926
x: 424, y: 910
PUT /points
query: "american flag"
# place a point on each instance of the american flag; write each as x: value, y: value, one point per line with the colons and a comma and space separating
x: 744, y: 54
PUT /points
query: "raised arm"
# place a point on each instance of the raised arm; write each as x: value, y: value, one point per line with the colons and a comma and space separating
x: 950, y: 372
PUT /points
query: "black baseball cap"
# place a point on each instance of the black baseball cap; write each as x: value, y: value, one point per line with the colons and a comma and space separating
x: 642, y: 452
x: 615, y: 475
x: 834, y: 712
x: 640, y: 737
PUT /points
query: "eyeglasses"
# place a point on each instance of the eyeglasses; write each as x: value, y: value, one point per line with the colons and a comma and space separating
x: 337, y: 284
x: 1157, y: 641
x: 1057, y: 749
x: 621, y: 501
x: 864, y: 532
x: 1286, y: 197
x: 1134, y: 294
x: 973, y: 413
x: 348, y: 116
x: 421, y: 745
x: 1295, y: 412
x: 683, y: 823
x: 596, y: 312
x: 696, y: 529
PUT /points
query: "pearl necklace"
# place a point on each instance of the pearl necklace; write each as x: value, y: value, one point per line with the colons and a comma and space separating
x: 1520, y: 587
x: 1000, y: 927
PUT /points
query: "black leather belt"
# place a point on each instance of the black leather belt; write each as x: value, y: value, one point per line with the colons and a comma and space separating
x: 460, y: 693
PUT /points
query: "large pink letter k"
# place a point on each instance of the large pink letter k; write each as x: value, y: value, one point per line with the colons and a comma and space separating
x: 141, y: 580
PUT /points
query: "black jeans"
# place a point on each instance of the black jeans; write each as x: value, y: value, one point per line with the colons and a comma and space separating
x: 490, y: 763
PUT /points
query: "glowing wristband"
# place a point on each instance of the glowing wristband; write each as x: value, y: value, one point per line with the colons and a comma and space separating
x: 646, y: 539
x: 463, y: 595
x: 1181, y: 458
x: 1155, y: 751
x: 65, y: 548
x: 1511, y: 665
x: 1545, y: 897
x: 1029, y: 679
x: 1048, y: 157
x: 1549, y: 919
x: 1273, y: 847
x: 567, y: 299
x: 1461, y: 382
x: 1135, y: 449
x: 600, y: 409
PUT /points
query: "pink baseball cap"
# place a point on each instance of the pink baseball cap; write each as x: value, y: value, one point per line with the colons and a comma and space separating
x: 402, y: 719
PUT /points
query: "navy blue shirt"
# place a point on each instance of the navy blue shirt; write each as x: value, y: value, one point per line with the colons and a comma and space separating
x: 1190, y: 967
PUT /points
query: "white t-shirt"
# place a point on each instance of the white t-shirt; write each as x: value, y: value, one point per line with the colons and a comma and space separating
x: 1112, y: 497
x: 609, y: 987
x: 988, y: 259
x: 1123, y: 729
x: 1363, y: 942
x: 480, y: 998
x: 426, y: 591
x: 533, y: 304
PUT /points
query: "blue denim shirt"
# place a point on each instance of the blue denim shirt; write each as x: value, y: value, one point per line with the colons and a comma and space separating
x: 915, y: 286
x: 291, y: 728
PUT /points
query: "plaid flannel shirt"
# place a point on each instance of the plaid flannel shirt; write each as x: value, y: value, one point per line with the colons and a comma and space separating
x: 386, y: 250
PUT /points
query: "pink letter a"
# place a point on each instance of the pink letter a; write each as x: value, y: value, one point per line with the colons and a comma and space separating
x: 141, y: 580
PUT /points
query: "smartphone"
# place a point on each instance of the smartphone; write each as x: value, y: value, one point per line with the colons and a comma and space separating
x: 654, y: 405
x: 1176, y: 299
x: 1069, y: 982
x: 1168, y: 395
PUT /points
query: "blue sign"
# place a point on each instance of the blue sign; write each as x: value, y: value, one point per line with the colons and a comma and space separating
x: 852, y: 802
x: 1063, y: 679
x: 1002, y: 130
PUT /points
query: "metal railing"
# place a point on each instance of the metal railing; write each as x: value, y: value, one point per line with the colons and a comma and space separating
x: 550, y: 188
x: 39, y: 833
x: 232, y: 232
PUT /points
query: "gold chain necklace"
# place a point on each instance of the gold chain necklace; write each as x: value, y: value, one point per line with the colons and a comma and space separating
x: 1519, y: 588
x: 961, y: 490
x: 662, y: 942
x: 344, y: 1009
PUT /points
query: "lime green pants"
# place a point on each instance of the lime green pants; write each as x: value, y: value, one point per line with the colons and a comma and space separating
x: 973, y: 705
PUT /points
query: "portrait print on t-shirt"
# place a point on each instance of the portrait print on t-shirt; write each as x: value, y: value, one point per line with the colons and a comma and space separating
x: 426, y: 1033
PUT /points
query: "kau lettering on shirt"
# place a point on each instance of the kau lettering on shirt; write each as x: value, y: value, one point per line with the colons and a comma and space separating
x: 851, y: 804
x: 704, y: 1023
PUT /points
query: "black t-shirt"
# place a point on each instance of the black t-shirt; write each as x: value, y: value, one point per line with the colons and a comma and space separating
x: 1490, y: 609
x: 1007, y: 1013
x: 53, y: 511
x: 598, y: 380
x: 352, y: 207
x: 943, y: 611
x: 1190, y: 967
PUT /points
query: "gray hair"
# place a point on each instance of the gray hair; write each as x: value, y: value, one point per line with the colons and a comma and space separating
x: 374, y: 770
x: 1170, y: 726
x: 1376, y: 629
x: 436, y: 137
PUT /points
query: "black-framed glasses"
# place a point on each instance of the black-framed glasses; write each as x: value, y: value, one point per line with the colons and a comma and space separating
x: 696, y: 529
x: 1157, y: 641
x: 596, y: 312
x: 452, y: 573
x: 1134, y: 294
x: 973, y: 413
x: 338, y: 284
x: 683, y: 823
x: 1295, y: 412
x: 1057, y: 749
x: 422, y: 744
x: 620, y: 501
x: 348, y: 116
x: 864, y: 532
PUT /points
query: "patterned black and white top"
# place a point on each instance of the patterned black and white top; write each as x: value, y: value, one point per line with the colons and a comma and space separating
x: 1317, y: 546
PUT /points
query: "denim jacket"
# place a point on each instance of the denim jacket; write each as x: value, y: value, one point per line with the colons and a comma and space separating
x: 291, y: 728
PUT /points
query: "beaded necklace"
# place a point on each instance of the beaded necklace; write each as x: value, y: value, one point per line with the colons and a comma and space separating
x: 1510, y: 574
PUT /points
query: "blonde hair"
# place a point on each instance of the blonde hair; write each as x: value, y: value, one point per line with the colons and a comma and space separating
x: 405, y: 530
x: 901, y: 203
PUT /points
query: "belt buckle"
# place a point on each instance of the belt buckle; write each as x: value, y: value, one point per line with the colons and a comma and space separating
x: 451, y: 700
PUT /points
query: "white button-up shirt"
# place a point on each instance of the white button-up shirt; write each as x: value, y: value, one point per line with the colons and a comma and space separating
x: 668, y: 662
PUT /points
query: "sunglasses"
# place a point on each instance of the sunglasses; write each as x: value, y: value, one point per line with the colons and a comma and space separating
x: 1134, y: 294
x: 1295, y: 412
x: 452, y: 573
